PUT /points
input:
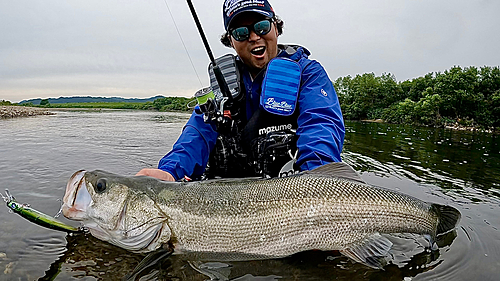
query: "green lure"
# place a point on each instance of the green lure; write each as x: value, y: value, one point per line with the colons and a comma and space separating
x: 35, y: 216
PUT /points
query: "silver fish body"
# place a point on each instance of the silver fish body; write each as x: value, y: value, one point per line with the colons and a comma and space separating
x: 329, y: 208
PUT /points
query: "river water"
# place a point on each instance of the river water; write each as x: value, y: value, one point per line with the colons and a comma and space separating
x: 39, y: 154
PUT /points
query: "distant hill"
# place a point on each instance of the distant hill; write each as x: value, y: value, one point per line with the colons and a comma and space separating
x: 89, y: 99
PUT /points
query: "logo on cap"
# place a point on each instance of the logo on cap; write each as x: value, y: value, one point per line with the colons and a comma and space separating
x: 233, y: 7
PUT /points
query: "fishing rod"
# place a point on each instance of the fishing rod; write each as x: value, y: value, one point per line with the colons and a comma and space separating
x: 217, y: 72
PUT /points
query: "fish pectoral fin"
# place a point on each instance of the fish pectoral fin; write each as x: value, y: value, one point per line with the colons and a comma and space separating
x: 149, y: 262
x: 338, y: 170
x: 370, y: 251
x: 213, y: 270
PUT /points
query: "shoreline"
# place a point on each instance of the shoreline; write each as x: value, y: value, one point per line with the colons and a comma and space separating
x: 13, y: 111
x: 452, y: 126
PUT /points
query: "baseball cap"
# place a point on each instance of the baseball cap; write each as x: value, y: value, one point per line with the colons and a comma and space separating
x: 232, y: 8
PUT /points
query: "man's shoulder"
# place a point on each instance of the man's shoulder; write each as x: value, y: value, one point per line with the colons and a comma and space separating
x: 294, y: 52
x: 301, y: 55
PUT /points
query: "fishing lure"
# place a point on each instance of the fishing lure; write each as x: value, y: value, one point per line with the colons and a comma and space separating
x: 37, y: 217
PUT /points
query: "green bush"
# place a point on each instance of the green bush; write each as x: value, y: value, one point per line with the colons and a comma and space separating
x: 468, y: 95
x: 172, y: 104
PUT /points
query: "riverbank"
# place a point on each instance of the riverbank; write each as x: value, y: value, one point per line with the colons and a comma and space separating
x: 8, y: 111
x: 459, y: 127
x: 453, y: 126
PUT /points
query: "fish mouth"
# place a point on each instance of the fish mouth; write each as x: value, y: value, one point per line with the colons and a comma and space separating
x: 77, y: 198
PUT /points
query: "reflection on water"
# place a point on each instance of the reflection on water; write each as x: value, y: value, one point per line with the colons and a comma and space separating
x: 87, y: 256
x: 458, y: 168
x: 447, y: 158
x: 38, y: 155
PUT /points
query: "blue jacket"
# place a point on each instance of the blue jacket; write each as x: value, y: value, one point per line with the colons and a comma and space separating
x: 320, y: 124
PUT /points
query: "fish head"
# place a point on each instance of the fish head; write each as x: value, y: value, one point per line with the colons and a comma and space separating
x: 116, y: 209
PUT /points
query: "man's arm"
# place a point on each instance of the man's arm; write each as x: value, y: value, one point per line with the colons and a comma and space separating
x: 190, y: 153
x: 320, y: 124
x: 156, y: 173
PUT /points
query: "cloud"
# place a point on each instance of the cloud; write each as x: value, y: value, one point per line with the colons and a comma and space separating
x: 132, y: 48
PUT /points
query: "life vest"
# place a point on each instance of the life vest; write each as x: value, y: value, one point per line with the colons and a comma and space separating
x: 265, y: 143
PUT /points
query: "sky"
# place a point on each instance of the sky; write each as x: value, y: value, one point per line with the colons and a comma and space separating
x: 131, y: 48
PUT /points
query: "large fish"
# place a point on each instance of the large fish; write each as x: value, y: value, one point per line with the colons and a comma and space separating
x: 328, y: 208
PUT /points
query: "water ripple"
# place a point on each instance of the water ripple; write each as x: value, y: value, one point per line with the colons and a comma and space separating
x: 461, y: 169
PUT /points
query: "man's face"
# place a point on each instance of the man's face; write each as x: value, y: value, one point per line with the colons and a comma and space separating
x: 256, y: 51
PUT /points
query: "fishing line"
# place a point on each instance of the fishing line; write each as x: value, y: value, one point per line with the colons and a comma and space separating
x: 180, y: 36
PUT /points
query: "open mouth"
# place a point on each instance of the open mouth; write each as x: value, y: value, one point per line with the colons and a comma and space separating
x: 76, y: 199
x: 259, y: 51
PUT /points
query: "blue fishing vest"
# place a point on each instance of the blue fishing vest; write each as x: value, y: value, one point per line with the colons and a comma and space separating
x: 263, y: 144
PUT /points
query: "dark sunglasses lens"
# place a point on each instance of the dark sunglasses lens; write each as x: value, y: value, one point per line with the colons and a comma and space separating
x: 262, y: 27
x: 240, y: 33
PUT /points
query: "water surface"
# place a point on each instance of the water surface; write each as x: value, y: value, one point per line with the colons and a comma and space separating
x: 39, y: 154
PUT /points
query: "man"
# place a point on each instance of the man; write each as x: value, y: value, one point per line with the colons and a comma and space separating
x: 309, y: 134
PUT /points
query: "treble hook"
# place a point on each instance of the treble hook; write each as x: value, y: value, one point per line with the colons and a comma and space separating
x: 8, y: 197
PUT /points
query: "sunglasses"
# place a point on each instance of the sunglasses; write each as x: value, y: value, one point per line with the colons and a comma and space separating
x: 260, y: 28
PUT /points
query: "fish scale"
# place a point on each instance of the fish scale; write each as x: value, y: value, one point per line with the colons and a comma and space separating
x: 253, y: 215
x: 329, y: 208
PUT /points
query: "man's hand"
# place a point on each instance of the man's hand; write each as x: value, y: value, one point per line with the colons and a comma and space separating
x: 156, y: 173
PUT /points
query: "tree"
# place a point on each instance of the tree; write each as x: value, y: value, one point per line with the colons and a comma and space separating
x: 45, y: 102
x: 467, y: 95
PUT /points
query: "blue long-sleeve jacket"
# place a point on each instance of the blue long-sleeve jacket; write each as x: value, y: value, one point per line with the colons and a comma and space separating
x: 320, y: 124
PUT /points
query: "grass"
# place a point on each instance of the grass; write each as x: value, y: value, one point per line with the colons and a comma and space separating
x: 112, y: 105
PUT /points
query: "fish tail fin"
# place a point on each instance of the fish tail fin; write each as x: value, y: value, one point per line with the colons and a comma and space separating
x: 448, y: 218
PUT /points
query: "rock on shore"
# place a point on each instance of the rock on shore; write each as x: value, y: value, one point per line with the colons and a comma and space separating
x: 22, y: 111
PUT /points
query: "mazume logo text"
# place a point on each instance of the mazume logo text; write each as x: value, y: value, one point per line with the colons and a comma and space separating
x: 265, y: 131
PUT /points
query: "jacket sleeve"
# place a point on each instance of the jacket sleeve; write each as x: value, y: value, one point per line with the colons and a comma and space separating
x: 320, y: 123
x: 190, y: 153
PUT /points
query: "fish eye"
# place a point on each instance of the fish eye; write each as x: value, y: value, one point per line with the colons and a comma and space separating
x: 100, y: 185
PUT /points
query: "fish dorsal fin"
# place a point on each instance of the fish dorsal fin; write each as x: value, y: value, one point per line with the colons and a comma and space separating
x: 338, y: 170
x: 370, y: 251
